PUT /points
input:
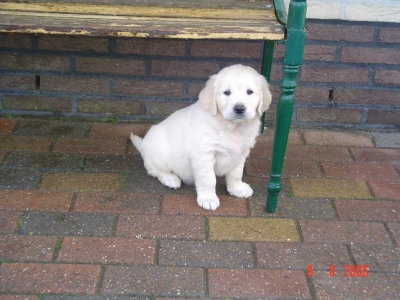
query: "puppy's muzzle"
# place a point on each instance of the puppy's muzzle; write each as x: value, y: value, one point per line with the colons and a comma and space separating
x: 239, y: 109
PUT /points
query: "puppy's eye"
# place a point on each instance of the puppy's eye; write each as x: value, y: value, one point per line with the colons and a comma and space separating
x: 249, y: 92
x: 227, y: 92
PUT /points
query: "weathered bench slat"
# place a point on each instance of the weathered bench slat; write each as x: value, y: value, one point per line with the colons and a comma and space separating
x: 256, y: 22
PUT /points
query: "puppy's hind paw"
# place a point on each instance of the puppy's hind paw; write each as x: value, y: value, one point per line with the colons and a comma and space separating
x: 170, y: 180
x: 209, y: 202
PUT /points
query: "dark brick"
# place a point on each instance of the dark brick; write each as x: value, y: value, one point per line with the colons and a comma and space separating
x: 164, y: 47
x: 117, y: 203
x: 46, y: 161
x: 74, y: 84
x: 332, y: 115
x: 15, y: 41
x: 344, y: 232
x: 19, y: 179
x: 108, y: 106
x: 107, y: 251
x: 3, y: 155
x: 326, y: 74
x: 386, y: 156
x: 307, y: 94
x: 148, y: 88
x: 9, y: 221
x: 206, y: 254
x: 73, y: 43
x: 36, y: 103
x: 49, y: 278
x: 108, y: 131
x: 366, y: 96
x: 27, y: 248
x: 110, y: 65
x: 151, y: 226
x: 87, y: 145
x: 35, y: 200
x: 378, y: 258
x: 294, y: 208
x: 184, y: 68
x: 17, y: 82
x: 384, y: 117
x: 299, y: 256
x: 226, y: 49
x: 339, y: 32
x: 24, y: 143
x: 370, y: 55
x: 18, y: 297
x: 114, y: 163
x: 374, y: 286
x: 385, y: 190
x: 378, y: 172
x: 387, y: 77
x: 64, y: 224
x: 34, y: 62
x: 389, y: 35
x: 257, y: 284
x: 54, y: 129
x: 394, y: 228
x: 319, y: 52
x: 7, y: 126
x: 186, y: 204
x: 153, y: 281
x: 166, y: 108
x: 365, y: 210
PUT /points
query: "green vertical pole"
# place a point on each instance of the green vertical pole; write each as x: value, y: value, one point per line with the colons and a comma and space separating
x: 266, y: 67
x: 295, y: 39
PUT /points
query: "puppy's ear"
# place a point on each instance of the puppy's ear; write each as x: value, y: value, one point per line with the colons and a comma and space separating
x: 266, y: 97
x: 207, y: 96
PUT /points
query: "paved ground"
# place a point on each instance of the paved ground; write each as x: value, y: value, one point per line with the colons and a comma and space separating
x: 80, y: 219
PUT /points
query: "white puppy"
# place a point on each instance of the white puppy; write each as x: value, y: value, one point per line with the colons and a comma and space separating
x: 209, y: 138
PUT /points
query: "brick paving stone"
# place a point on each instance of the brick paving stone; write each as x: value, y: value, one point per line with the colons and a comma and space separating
x: 331, y: 138
x: 357, y: 171
x: 252, y: 229
x: 9, y: 221
x: 292, y: 168
x: 27, y: 248
x: 153, y: 281
x: 365, y: 210
x: 344, y: 232
x: 110, y: 131
x: 18, y: 297
x: 387, y: 140
x: 186, y: 204
x: 54, y: 129
x: 374, y: 286
x: 86, y: 297
x: 394, y: 228
x: 329, y: 188
x: 282, y: 284
x: 165, y: 227
x: 117, y: 203
x: 67, y: 224
x: 294, y: 208
x: 82, y: 181
x: 3, y: 155
x: 24, y: 143
x: 107, y: 251
x: 144, y: 184
x: 206, y: 254
x: 34, y: 278
x: 298, y: 256
x: 378, y: 258
x: 385, y: 190
x: 268, y: 137
x: 114, y: 163
x: 35, y: 200
x: 372, y: 155
x: 45, y: 160
x: 86, y: 145
x: 7, y: 126
x: 19, y: 179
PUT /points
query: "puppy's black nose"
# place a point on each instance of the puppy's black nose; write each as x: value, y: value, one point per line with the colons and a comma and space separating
x: 239, y: 108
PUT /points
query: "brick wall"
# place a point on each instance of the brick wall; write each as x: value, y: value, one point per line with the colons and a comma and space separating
x: 350, y: 77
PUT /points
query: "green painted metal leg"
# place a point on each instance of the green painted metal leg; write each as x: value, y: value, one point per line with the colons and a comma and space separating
x: 292, y: 61
x: 266, y: 70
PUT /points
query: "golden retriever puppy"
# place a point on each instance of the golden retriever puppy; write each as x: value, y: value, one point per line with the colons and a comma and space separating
x: 209, y: 138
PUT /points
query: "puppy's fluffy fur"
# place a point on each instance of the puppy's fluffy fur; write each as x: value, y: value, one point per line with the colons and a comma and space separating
x: 209, y: 138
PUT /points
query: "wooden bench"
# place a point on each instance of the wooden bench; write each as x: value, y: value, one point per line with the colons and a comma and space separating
x: 264, y: 20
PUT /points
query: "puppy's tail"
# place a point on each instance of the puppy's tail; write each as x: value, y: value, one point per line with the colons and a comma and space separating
x: 136, y: 141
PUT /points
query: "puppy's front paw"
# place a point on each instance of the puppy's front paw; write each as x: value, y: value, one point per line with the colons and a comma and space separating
x: 240, y: 190
x: 209, y: 202
x: 170, y: 180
